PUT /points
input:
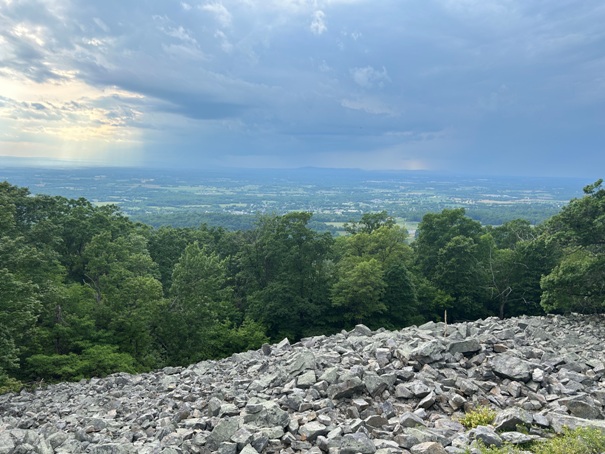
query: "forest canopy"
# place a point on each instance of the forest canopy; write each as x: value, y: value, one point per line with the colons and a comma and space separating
x: 85, y: 291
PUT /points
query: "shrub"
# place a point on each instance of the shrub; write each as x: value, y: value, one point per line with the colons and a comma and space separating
x: 9, y: 385
x: 583, y: 440
x: 480, y: 416
x: 96, y: 361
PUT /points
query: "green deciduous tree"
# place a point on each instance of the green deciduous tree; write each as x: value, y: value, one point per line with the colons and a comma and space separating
x: 436, y: 230
x: 124, y: 281
x: 577, y: 282
x: 449, y: 253
x: 509, y: 234
x: 199, y: 301
x: 19, y: 309
x: 400, y: 298
x: 376, y: 239
x: 359, y: 290
x: 370, y: 222
x: 284, y: 274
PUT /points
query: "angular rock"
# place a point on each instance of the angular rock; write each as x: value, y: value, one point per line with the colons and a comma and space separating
x: 376, y: 421
x: 427, y: 402
x: 223, y: 431
x: 510, y: 366
x: 465, y: 346
x: 517, y: 438
x: 374, y: 384
x: 361, y: 330
x: 248, y: 449
x: 306, y: 380
x: 410, y: 420
x: 7, y: 445
x: 226, y: 448
x: 559, y: 422
x: 242, y: 437
x: 511, y: 418
x: 403, y: 392
x: 582, y: 407
x: 348, y: 388
x: 311, y: 430
x: 301, y: 362
x: 428, y: 352
x: 422, y: 435
x: 486, y: 435
x: 419, y: 389
x: 112, y: 448
x: 429, y: 447
x: 271, y: 415
x: 357, y: 443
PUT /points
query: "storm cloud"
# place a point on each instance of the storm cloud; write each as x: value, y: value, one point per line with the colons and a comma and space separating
x: 502, y: 86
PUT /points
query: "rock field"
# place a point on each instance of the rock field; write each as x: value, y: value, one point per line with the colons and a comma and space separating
x: 354, y: 392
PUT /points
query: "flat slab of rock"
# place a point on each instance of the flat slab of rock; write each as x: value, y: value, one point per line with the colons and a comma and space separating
x: 559, y: 422
x: 510, y: 366
x: 465, y: 346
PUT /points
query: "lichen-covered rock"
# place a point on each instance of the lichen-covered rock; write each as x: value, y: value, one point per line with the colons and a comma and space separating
x: 512, y: 367
x: 486, y: 435
x: 511, y: 418
x: 357, y: 443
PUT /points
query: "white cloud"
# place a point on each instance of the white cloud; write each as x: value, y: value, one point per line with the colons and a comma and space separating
x: 368, y: 77
x: 72, y: 121
x: 181, y: 34
x: 225, y: 43
x: 222, y: 14
x: 318, y: 24
x: 182, y: 52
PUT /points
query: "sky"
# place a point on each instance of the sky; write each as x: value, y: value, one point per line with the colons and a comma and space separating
x: 513, y: 87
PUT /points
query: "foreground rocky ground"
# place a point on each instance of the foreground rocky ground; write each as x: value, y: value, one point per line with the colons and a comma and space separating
x: 354, y: 392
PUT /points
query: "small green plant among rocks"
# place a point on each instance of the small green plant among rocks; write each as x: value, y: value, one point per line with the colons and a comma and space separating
x: 10, y: 385
x: 480, y: 416
x: 583, y: 440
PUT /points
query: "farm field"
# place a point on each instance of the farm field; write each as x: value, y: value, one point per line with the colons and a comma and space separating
x: 235, y: 198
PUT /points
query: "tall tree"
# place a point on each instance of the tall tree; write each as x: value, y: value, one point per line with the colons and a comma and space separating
x: 284, y: 272
x: 577, y: 283
x: 449, y: 253
x: 359, y: 291
x: 511, y: 233
x: 19, y: 309
x: 124, y: 281
x: 199, y: 300
x: 370, y: 222
x: 400, y: 298
x: 436, y: 230
x: 383, y: 243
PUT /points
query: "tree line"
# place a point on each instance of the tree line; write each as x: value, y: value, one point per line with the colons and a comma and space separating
x: 85, y: 291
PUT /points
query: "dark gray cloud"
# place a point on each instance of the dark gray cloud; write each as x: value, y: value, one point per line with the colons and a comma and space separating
x: 505, y: 86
